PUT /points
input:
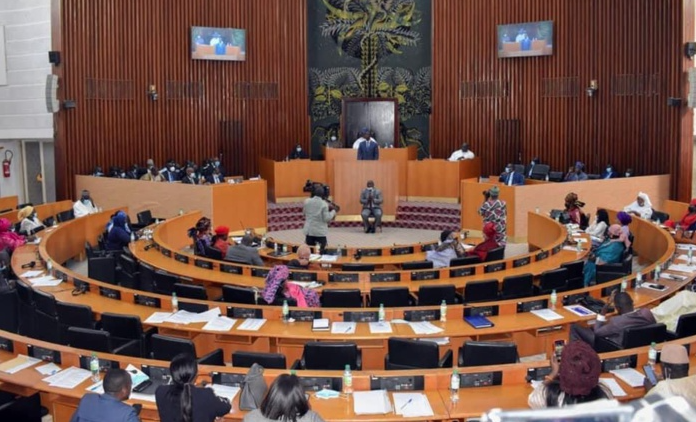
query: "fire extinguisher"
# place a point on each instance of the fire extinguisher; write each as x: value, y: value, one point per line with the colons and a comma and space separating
x: 6, y: 163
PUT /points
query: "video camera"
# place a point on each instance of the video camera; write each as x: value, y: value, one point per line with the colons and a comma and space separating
x: 309, y: 187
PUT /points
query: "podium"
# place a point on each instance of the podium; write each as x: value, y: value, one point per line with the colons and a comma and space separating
x: 438, y: 180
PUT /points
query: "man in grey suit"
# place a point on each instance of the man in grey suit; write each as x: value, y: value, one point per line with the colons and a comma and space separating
x: 108, y: 407
x: 371, y: 200
x: 244, y: 253
x: 317, y: 217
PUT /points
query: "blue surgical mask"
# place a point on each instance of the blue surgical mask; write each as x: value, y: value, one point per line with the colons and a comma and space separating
x: 608, y: 169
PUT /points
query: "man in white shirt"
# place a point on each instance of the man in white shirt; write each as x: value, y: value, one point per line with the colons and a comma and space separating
x: 462, y: 154
x: 85, y: 205
x: 364, y: 136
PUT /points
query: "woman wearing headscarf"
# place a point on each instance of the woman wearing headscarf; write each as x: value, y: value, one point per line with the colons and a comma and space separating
x: 219, y: 241
x: 8, y: 239
x: 448, y: 249
x: 573, y: 380
x: 110, y: 224
x: 481, y: 250
x: 624, y: 219
x: 29, y: 222
x: 277, y: 288
x: 118, y: 237
x: 609, y: 252
x: 598, y: 229
x: 688, y: 222
x: 641, y: 207
x: 573, y: 208
x: 200, y: 235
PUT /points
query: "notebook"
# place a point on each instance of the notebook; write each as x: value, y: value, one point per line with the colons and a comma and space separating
x: 320, y: 324
x: 478, y: 321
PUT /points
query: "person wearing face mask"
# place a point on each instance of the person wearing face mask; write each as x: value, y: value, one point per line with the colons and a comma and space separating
x: 464, y: 153
x: 688, y: 222
x: 298, y: 153
x: 629, y: 173
x: 215, y: 177
x: 371, y: 200
x: 510, y: 177
x: 85, y: 205
x: 641, y: 207
x: 609, y: 173
x: 29, y: 221
x: 98, y: 172
x: 216, y: 165
x: 448, y: 249
x: 170, y: 174
x: 152, y: 175
x: 190, y: 178
x: 576, y: 173
x: 530, y: 167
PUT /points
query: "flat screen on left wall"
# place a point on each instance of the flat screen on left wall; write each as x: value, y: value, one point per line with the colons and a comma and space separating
x: 209, y: 43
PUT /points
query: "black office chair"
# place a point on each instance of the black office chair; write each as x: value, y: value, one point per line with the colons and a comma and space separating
x: 91, y: 252
x: 234, y: 294
x: 145, y: 218
x: 556, y: 176
x: 45, y: 303
x: 341, y: 298
x: 102, y: 268
x: 605, y: 277
x: 126, y: 328
x: 480, y: 353
x: 592, y: 176
x: 165, y: 348
x: 20, y: 408
x: 624, y: 267
x: 100, y: 341
x: 9, y: 311
x: 464, y: 260
x: 242, y: 359
x: 496, y: 254
x: 128, y: 264
x: 46, y: 327
x: 164, y: 283
x: 553, y: 280
x: 127, y: 274
x: 574, y: 274
x: 213, y: 253
x: 540, y: 172
x: 74, y: 315
x: 147, y: 277
x: 481, y: 291
x: 25, y: 308
x: 417, y: 265
x: 65, y: 216
x: 353, y: 267
x: 659, y: 216
x: 190, y: 291
x: 633, y: 337
x: 686, y: 327
x: 390, y: 297
x: 328, y: 356
x: 415, y: 354
x: 434, y: 295
x: 517, y: 286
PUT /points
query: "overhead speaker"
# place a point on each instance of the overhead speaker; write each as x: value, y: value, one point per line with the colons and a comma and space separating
x: 52, y: 104
x: 54, y: 57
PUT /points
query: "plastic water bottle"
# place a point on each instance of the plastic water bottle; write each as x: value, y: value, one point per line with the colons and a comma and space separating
x: 380, y: 314
x: 578, y: 246
x: 347, y: 381
x: 175, y: 303
x: 690, y: 255
x: 132, y: 237
x: 454, y: 386
x: 285, y: 311
x: 49, y: 265
x: 536, y: 210
x: 94, y: 367
x: 317, y: 249
x: 443, y: 311
x: 652, y: 354
x: 639, y: 280
x: 624, y: 284
x: 339, y: 251
x: 657, y: 272
x: 181, y: 211
x: 275, y: 247
x: 554, y: 299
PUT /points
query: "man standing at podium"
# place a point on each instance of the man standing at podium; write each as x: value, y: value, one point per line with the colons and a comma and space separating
x: 368, y: 149
x: 363, y: 136
x: 371, y: 200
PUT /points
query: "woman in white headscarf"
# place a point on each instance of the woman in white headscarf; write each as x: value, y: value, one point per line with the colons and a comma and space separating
x: 641, y: 207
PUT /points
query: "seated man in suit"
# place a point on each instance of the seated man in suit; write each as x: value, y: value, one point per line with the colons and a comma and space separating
x: 108, y: 407
x: 85, y: 205
x: 244, y: 252
x: 190, y: 178
x: 614, y: 328
x: 169, y: 174
x: 609, y: 173
x: 510, y: 177
x: 297, y: 153
x: 152, y: 175
x: 529, y: 170
x: 215, y: 177
x: 371, y: 200
x: 576, y: 173
x: 368, y: 150
x: 462, y: 154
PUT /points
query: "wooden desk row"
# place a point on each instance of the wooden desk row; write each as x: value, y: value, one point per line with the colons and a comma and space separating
x: 42, y: 211
x: 512, y: 393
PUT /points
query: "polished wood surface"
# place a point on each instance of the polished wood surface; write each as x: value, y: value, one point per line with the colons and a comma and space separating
x: 676, y: 210
x: 43, y: 211
x: 611, y: 194
x: 435, y: 180
x: 350, y: 178
x: 287, y: 178
x: 527, y: 107
x: 8, y: 202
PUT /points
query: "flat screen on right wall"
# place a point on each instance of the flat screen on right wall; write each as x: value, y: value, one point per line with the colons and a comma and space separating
x: 527, y: 39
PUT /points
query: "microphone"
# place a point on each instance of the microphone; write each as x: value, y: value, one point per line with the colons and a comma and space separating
x: 150, y: 246
x: 31, y: 264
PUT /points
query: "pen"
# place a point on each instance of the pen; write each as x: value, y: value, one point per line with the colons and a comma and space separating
x: 348, y: 329
x: 406, y: 404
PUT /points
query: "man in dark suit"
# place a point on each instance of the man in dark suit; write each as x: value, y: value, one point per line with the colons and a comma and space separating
x: 510, y: 177
x: 190, y: 178
x: 215, y: 177
x: 609, y: 173
x: 108, y: 407
x: 530, y: 167
x: 368, y: 150
x: 244, y: 253
x: 169, y: 174
x: 297, y: 153
x: 371, y: 200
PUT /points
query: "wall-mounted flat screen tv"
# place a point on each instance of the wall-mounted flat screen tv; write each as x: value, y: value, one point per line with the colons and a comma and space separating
x: 218, y: 43
x: 526, y: 39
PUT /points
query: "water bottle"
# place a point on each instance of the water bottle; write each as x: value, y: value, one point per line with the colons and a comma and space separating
x: 339, y: 251
x: 132, y: 237
x: 317, y: 249
x: 94, y: 367
x: 181, y: 211
x: 554, y: 298
x: 175, y: 303
x: 49, y: 265
x: 624, y: 284
x: 275, y: 248
x: 443, y: 311
x: 690, y: 254
x: 380, y: 314
x: 347, y: 381
x: 536, y: 210
x: 652, y: 354
x: 286, y: 311
x: 639, y: 280
x: 578, y: 246
x: 454, y: 386
x: 657, y: 272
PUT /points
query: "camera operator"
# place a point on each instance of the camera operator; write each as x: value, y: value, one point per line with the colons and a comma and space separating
x: 317, y: 217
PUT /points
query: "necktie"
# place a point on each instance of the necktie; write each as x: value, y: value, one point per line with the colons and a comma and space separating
x: 217, y: 180
x: 510, y: 179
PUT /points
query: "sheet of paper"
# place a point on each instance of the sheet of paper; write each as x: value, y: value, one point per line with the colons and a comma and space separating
x: 137, y: 376
x: 97, y: 388
x: 343, y: 328
x: 15, y: 365
x: 682, y: 268
x: 371, y: 402
x: 441, y: 341
x: 45, y: 281
x: 672, y: 277
x: 68, y: 378
x: 424, y: 327
x: 686, y: 246
x: 226, y: 392
x: 48, y: 369
x: 251, y: 324
x: 206, y: 316
x: 579, y: 310
x: 143, y: 397
x: 32, y: 273
x: 307, y: 284
x: 398, y: 321
x: 630, y: 376
x: 380, y: 328
x: 328, y: 258
x: 412, y: 405
x: 158, y: 317
x: 547, y: 314
x: 182, y: 317
x: 221, y: 323
x: 314, y: 257
x: 613, y: 386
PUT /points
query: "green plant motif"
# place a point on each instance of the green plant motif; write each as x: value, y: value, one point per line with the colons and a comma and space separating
x: 328, y: 87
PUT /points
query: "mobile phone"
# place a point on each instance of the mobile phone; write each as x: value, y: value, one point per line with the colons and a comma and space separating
x: 142, y: 386
x: 650, y: 374
x: 558, y: 348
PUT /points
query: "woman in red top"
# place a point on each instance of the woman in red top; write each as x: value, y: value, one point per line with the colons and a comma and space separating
x: 9, y: 240
x: 688, y: 222
x: 572, y: 207
x: 481, y: 250
x: 220, y: 239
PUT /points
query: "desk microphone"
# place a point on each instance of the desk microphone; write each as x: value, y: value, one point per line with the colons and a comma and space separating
x: 150, y: 246
x: 31, y: 264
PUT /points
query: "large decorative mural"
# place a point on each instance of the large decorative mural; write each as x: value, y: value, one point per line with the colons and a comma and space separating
x: 370, y: 49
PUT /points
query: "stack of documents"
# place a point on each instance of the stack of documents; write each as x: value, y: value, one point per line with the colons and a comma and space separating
x: 630, y: 376
x: 186, y: 317
x: 343, y: 328
x: 15, y: 365
x: 380, y: 328
x: 68, y: 378
x: 682, y: 268
x: 221, y: 323
x: 412, y: 405
x: 546, y: 314
x: 226, y: 392
x: 158, y: 317
x: 613, y: 386
x: 371, y: 402
x: 424, y: 327
x: 32, y: 273
x: 45, y: 281
x: 252, y: 324
x: 320, y: 324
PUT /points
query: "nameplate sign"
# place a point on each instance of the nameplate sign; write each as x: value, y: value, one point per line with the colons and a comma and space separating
x: 166, y: 252
x: 425, y: 275
x: 384, y: 277
x: 231, y: 269
x: 607, y: 291
x: 532, y: 305
x: 360, y: 316
x: 481, y: 310
x: 81, y: 285
x: 46, y: 355
x: 104, y: 364
x: 494, y: 268
x: 402, y: 383
x: 321, y: 383
x: 537, y: 374
x: 151, y: 302
x: 521, y: 262
x: 542, y: 255
x: 481, y: 379
x: 305, y: 316
x: 235, y: 312
x: 619, y: 363
x: 260, y: 272
x: 230, y: 380
x: 334, y: 251
x: 202, y: 263
x: 462, y: 272
x: 110, y: 293
x: 428, y: 247
x: 181, y: 258
x: 573, y: 299
x: 344, y: 277
x: 422, y: 315
x: 402, y: 250
x: 302, y: 276
x: 6, y: 345
x: 556, y: 249
x: 370, y: 252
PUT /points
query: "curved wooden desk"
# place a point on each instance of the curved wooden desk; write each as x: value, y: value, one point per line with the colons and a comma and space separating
x: 43, y: 211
